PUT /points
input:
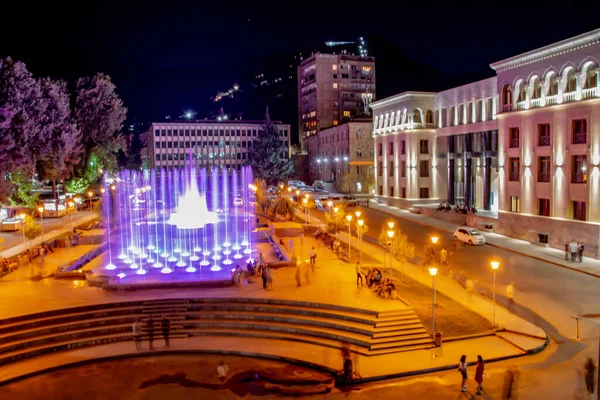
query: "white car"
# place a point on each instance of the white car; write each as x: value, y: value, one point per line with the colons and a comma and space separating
x: 469, y: 235
x: 238, y: 201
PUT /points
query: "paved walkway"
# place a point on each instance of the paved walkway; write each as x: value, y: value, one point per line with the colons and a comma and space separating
x: 554, y: 256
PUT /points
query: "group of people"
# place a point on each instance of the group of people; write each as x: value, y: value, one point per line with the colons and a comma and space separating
x: 459, y: 208
x: 74, y: 239
x: 575, y: 249
x: 138, y: 329
x: 462, y: 368
x: 374, y: 279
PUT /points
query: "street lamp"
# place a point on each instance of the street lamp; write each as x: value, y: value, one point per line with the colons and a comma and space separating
x: 495, y: 265
x: 41, y: 210
x: 102, y: 190
x: 434, y: 240
x: 305, y: 201
x: 349, y: 218
x: 357, y: 213
x: 391, y: 236
x: 90, y: 194
x: 22, y: 216
x: 432, y: 272
x: 330, y: 204
x: 289, y: 189
x: 391, y: 224
x: 297, y: 194
x: 359, y: 234
x: 335, y: 210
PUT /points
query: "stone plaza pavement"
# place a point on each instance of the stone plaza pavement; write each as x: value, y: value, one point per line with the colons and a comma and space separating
x: 550, y: 255
x: 333, y: 283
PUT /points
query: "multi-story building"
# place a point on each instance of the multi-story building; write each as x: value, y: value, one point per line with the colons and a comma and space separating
x: 525, y: 143
x: 345, y: 149
x: 223, y: 144
x: 331, y: 88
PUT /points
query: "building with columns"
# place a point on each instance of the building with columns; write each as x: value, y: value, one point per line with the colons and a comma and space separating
x: 524, y: 143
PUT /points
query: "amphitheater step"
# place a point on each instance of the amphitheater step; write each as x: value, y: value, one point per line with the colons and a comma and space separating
x: 398, y: 339
x: 398, y: 322
x: 400, y: 332
x: 400, y: 349
x: 408, y: 325
x: 402, y: 343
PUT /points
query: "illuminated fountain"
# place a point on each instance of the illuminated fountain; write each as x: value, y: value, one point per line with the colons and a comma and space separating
x: 177, y: 225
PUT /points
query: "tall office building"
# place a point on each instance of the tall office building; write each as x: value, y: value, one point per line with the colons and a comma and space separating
x: 333, y: 88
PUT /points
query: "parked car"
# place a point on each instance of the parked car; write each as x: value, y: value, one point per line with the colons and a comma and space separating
x: 350, y: 201
x: 469, y: 235
x: 319, y: 184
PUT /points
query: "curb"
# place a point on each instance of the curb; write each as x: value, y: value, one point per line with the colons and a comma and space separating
x: 496, y: 245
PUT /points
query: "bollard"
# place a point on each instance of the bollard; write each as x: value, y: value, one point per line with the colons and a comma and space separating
x: 577, y: 328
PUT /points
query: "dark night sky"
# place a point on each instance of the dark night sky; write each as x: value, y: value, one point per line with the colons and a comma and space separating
x: 173, y: 55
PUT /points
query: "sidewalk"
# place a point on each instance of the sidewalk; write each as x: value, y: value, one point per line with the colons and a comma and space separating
x: 83, y: 217
x: 588, y: 266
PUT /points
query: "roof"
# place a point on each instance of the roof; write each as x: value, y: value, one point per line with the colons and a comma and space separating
x: 405, y: 95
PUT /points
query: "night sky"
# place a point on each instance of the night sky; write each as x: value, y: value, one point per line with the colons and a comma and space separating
x: 170, y: 56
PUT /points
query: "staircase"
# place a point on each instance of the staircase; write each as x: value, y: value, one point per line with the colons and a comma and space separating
x: 367, y: 332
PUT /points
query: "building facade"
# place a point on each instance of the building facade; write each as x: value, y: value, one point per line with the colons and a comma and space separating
x: 343, y: 154
x: 223, y: 144
x: 525, y: 143
x: 331, y: 88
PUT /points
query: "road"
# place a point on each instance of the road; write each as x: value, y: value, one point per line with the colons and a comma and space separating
x: 545, y: 294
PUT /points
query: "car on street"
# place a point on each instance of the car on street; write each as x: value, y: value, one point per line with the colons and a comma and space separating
x: 350, y: 201
x: 469, y: 235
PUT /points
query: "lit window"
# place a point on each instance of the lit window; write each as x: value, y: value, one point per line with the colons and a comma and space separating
x: 367, y: 69
x: 335, y: 122
x: 346, y: 113
x: 334, y: 67
x: 335, y: 85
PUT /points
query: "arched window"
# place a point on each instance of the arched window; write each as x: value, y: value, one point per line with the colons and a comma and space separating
x: 552, y: 85
x: 398, y: 118
x: 417, y: 116
x: 429, y: 117
x: 404, y: 115
x: 571, y: 85
x: 506, y: 95
x: 591, y: 78
x: 387, y: 118
x: 392, y: 119
x: 376, y: 120
x: 522, y: 92
x: 537, y: 88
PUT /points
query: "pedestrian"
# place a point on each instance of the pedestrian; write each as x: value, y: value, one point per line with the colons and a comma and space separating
x: 444, y: 256
x: 261, y: 260
x: 358, y: 274
x: 313, y: 257
x: 469, y: 287
x: 479, y: 374
x: 510, y: 291
x: 509, y: 383
x: 573, y: 250
x: 298, y: 275
x: 137, y: 334
x: 150, y: 330
x: 222, y: 372
x: 462, y: 368
x: 590, y: 372
x: 269, y: 273
x: 581, y: 247
x: 263, y: 275
x: 165, y: 326
x: 566, y: 251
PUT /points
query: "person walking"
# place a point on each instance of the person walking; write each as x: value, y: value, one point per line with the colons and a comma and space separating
x: 222, y: 372
x: 573, y: 250
x: 313, y: 257
x: 581, y: 247
x: 165, y: 326
x: 269, y: 275
x: 462, y: 368
x: 150, y: 330
x: 261, y: 260
x: 479, y: 374
x: 298, y: 275
x: 444, y: 256
x: 358, y: 274
x: 263, y: 275
x: 590, y: 372
x: 42, y: 255
x: 137, y: 334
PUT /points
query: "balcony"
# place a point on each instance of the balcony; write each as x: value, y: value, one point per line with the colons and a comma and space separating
x: 544, y: 140
x: 579, y: 138
x: 551, y: 100
x: 522, y: 105
x: 535, y: 103
x: 507, y: 108
x: 514, y: 143
x: 569, y: 97
x: 417, y: 125
x: 544, y: 176
x: 590, y: 93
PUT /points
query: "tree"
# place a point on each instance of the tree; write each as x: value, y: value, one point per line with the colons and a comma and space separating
x: 268, y: 155
x: 282, y: 208
x: 32, y: 228
x: 399, y: 246
x: 262, y: 199
x: 7, y: 145
x: 352, y: 179
x: 336, y: 221
x: 24, y: 190
x: 100, y: 114
x: 64, y: 147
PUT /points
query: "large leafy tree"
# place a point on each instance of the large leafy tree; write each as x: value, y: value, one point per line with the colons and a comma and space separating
x: 7, y: 145
x: 64, y: 148
x: 100, y: 114
x: 268, y: 155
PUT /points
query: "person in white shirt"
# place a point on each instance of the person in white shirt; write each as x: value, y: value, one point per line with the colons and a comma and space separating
x: 358, y: 274
x: 313, y: 257
x: 137, y: 334
x: 222, y: 372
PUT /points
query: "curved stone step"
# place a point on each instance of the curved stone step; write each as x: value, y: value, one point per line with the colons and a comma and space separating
x: 403, y: 343
x: 404, y: 338
x: 409, y: 330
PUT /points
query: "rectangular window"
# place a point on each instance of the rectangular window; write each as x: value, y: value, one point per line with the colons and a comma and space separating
x: 403, y: 147
x: 403, y: 169
x: 544, y: 169
x: 158, y: 157
x: 221, y: 132
x: 391, y: 191
x: 187, y: 132
x: 243, y: 132
x: 544, y: 207
x: 380, y: 168
x: 344, y: 76
x: 579, y: 169
x: 424, y: 193
x: 515, y: 204
x: 380, y: 152
x: 514, y: 169
x: 424, y: 169
x: 346, y: 113
x: 391, y: 169
x: 164, y: 145
x: 156, y: 132
x: 543, y: 134
x: 371, y: 153
x: 579, y: 127
x: 254, y: 132
x: 358, y: 152
x: 358, y: 134
x: 335, y: 85
x: 403, y: 193
x: 163, y: 132
x: 169, y: 132
x: 391, y: 148
x: 334, y: 67
x: 424, y: 146
x: 513, y: 134
x: 579, y: 210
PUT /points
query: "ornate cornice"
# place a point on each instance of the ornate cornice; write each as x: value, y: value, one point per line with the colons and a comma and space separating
x: 402, y: 96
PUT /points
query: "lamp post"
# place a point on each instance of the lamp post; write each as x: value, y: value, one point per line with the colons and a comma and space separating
x: 22, y: 216
x: 330, y: 204
x: 305, y: 201
x: 359, y: 234
x: 297, y: 194
x: 41, y: 210
x: 77, y: 201
x: 432, y: 272
x: 390, y: 225
x: 495, y: 265
x: 434, y: 240
x: 90, y: 194
x: 391, y: 236
x: 349, y: 219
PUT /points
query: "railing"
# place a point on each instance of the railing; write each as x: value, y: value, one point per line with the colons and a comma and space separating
x: 550, y: 100
x: 423, y: 150
x: 513, y: 176
x: 535, y: 103
x: 543, y: 176
x: 430, y: 125
x: 522, y: 105
x: 507, y: 108
x: 417, y: 125
x: 579, y: 138
x: 594, y: 321
x: 590, y: 93
x: 514, y: 143
x: 544, y: 141
x: 568, y: 97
